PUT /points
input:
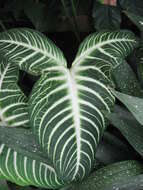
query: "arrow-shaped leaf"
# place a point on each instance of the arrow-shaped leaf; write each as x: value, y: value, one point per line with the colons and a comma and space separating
x: 67, y: 107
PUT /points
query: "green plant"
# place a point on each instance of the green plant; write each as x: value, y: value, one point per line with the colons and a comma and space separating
x: 46, y: 15
x: 66, y: 110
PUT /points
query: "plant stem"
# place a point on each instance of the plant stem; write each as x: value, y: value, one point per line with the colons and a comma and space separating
x: 70, y: 20
x: 75, y: 17
x: 2, y: 26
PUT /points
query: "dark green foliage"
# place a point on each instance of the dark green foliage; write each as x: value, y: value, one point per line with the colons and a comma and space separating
x: 110, y: 17
x: 106, y: 17
x: 118, y: 164
x: 111, y: 177
x: 129, y: 128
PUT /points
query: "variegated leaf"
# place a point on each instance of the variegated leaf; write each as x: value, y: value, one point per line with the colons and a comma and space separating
x: 13, y: 106
x: 67, y: 107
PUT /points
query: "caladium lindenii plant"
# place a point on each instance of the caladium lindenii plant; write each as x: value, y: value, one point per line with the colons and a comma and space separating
x: 65, y: 114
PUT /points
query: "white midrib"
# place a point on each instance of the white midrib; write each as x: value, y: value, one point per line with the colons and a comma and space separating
x: 81, y: 57
x: 76, y: 112
x: 1, y: 81
x: 3, y: 75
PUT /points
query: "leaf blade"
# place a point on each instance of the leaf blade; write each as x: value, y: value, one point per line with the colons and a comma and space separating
x: 136, y: 19
x: 111, y: 176
x: 129, y: 127
x: 33, y: 55
x: 24, y: 164
x: 126, y: 80
x: 105, y: 16
x: 64, y: 102
x: 134, y: 104
x: 104, y: 45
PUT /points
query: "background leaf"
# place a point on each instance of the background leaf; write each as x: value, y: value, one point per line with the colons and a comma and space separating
x: 126, y: 80
x: 113, y: 149
x: 110, y: 176
x: 3, y: 185
x: 134, y: 6
x: 136, y: 19
x: 106, y: 17
x: 129, y: 127
x: 134, y: 104
x: 44, y: 16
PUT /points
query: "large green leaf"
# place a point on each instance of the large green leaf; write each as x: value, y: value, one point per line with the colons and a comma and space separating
x: 23, y: 162
x: 111, y: 177
x: 13, y: 103
x: 67, y: 107
x: 76, y: 102
x: 129, y: 127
